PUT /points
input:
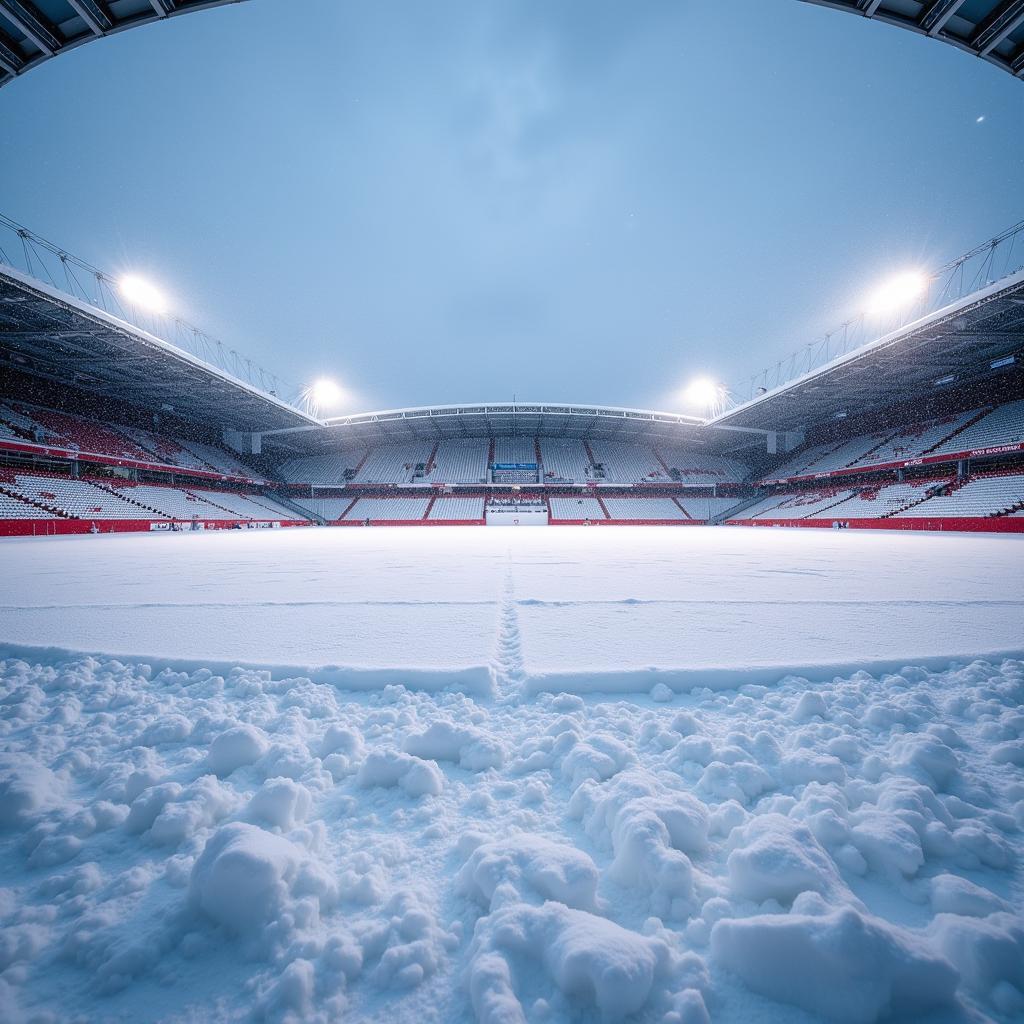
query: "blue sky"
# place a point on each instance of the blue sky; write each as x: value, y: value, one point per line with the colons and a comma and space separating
x: 469, y: 199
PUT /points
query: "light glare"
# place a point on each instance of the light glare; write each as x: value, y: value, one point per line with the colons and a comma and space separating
x: 325, y: 394
x: 704, y: 394
x: 139, y: 292
x: 897, y: 294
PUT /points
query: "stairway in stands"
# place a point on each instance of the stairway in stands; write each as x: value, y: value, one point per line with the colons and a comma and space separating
x: 429, y: 467
x: 959, y: 430
x: 33, y: 503
x: 953, y: 485
x: 124, y: 497
x: 681, y: 508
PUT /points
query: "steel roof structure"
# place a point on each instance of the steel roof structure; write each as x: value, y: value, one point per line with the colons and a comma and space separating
x: 49, y: 334
x: 503, y: 419
x: 990, y: 29
x: 952, y: 347
x: 32, y: 31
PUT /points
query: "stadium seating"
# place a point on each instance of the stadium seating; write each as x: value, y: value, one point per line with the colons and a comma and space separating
x: 244, y: 506
x: 165, y: 450
x: 15, y: 508
x: 627, y: 463
x: 643, y: 508
x: 457, y: 508
x: 168, y: 501
x: 395, y: 463
x: 322, y: 470
x: 78, y: 498
x: 460, y: 462
x: 82, y: 434
x: 705, y: 509
x: 565, y: 460
x: 966, y: 431
x: 980, y: 497
x: 514, y: 449
x: 1004, y: 425
x: 387, y: 509
x: 915, y: 440
x: 796, y: 506
x: 576, y: 508
x: 696, y: 468
x: 330, y: 509
x: 878, y: 502
x: 218, y: 460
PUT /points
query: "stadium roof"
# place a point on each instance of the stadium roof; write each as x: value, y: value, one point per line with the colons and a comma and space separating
x: 954, y: 346
x: 991, y: 29
x: 32, y: 31
x: 48, y: 334
x: 501, y: 419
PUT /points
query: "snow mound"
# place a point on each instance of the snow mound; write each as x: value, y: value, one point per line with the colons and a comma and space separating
x: 595, y: 962
x: 526, y: 865
x: 777, y: 858
x: 235, y: 748
x: 469, y: 748
x: 387, y: 769
x: 648, y: 828
x: 247, y: 879
x: 842, y: 966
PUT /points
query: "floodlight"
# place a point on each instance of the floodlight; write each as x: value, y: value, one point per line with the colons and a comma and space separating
x: 139, y: 292
x: 704, y: 394
x: 898, y: 294
x: 325, y: 393
x: 322, y: 396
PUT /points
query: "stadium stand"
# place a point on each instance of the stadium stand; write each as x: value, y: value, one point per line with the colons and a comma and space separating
x: 39, y: 425
x: 81, y: 434
x: 576, y: 508
x: 329, y: 509
x: 387, y: 509
x: 460, y: 462
x: 706, y: 509
x: 626, y: 509
x: 15, y: 508
x: 975, y: 430
x: 454, y: 509
x: 395, y: 464
x: 914, y: 440
x: 565, y: 460
x: 514, y: 449
x: 695, y: 468
x: 796, y: 506
x: 1003, y: 425
x: 166, y: 450
x: 981, y: 496
x: 244, y: 506
x: 218, y: 459
x: 626, y: 463
x: 79, y: 498
x: 322, y: 470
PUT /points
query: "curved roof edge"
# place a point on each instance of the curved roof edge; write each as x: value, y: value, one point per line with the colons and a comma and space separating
x: 502, y: 419
x: 514, y: 409
x: 28, y: 36
x: 990, y: 29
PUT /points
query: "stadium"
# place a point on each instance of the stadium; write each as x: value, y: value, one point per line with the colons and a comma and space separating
x: 313, y: 715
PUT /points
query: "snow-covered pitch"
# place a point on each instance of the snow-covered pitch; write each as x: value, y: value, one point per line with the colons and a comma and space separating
x: 565, y: 774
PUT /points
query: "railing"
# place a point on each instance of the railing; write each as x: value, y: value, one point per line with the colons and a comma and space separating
x: 984, y: 265
x: 47, y: 262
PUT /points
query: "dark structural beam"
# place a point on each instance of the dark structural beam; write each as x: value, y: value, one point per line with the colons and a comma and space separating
x: 990, y: 29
